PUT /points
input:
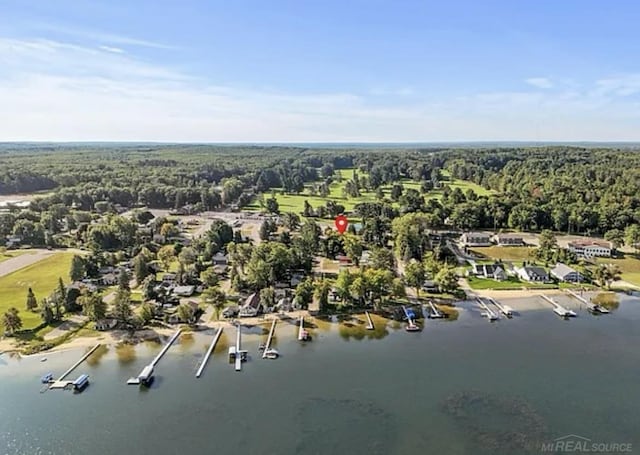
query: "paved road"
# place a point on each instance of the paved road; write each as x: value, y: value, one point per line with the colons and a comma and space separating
x: 18, y: 262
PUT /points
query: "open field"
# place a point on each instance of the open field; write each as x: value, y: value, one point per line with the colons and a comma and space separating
x: 629, y: 265
x: 505, y: 253
x: 295, y: 202
x: 41, y: 276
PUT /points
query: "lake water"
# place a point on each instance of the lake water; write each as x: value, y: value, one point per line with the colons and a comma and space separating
x: 458, y: 387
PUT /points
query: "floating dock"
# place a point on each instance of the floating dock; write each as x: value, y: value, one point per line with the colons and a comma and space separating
x: 370, y: 325
x: 559, y: 309
x: 209, y: 352
x: 434, y: 312
x: 236, y: 353
x: 504, y: 309
x: 592, y: 307
x: 146, y: 374
x: 488, y: 312
x: 60, y: 383
x: 303, y: 335
x: 411, y: 325
x: 267, y: 346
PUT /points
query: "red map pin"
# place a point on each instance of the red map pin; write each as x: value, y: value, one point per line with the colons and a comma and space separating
x: 341, y: 223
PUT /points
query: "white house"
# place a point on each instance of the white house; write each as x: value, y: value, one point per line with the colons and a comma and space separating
x: 533, y: 274
x: 493, y: 271
x: 251, y: 306
x: 475, y: 239
x: 590, y: 248
x: 508, y: 239
x: 565, y: 273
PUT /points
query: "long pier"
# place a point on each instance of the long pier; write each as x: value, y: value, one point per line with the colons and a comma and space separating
x: 209, y: 352
x: 592, y: 307
x: 239, y: 353
x: 489, y: 314
x: 559, y: 309
x: 272, y: 332
x: 303, y: 335
x: 370, y: 325
x: 60, y: 383
x: 504, y: 309
x: 146, y: 374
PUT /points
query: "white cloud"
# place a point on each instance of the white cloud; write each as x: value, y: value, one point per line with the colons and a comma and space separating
x: 115, y: 50
x: 58, y: 91
x: 539, y: 82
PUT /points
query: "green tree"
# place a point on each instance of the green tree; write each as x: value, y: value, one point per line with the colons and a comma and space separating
x: 209, y: 277
x: 92, y: 306
x: 606, y: 274
x: 11, y: 321
x: 632, y: 236
x: 186, y: 313
x: 147, y: 313
x: 77, y: 271
x: 304, y: 293
x: 166, y: 255
x: 446, y: 279
x: 398, y: 290
x: 414, y: 275
x: 353, y: 247
x: 267, y: 297
x: 123, y: 280
x: 615, y: 236
x: 216, y: 297
x: 122, y: 306
x: 46, y: 313
x: 140, y: 268
x: 32, y: 303
x: 321, y: 294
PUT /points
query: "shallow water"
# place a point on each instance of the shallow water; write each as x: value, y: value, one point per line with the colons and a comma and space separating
x: 463, y: 387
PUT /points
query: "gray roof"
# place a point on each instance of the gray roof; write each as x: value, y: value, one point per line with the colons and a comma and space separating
x: 535, y: 270
x: 562, y: 270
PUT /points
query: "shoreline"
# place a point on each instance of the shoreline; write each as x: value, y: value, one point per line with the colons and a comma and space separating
x: 525, y: 302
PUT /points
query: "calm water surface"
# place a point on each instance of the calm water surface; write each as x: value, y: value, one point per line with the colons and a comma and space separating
x: 463, y: 387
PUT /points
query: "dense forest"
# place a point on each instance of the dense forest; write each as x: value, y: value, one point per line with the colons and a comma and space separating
x: 568, y: 189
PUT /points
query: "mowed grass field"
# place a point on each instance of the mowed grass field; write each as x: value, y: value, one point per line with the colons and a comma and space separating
x: 295, y: 202
x: 629, y: 266
x: 505, y: 253
x: 42, y: 277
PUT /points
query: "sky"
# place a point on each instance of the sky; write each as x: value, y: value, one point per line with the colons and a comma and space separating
x: 319, y: 71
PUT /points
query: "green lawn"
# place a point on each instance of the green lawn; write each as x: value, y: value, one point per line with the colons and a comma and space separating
x: 629, y: 265
x: 505, y: 253
x: 511, y: 283
x: 295, y: 202
x: 42, y: 277
x: 464, y: 185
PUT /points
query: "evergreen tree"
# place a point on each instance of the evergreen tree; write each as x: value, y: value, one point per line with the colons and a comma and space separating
x: 32, y: 303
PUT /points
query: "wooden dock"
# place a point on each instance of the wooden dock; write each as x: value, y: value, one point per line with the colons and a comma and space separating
x: 303, y: 335
x: 411, y: 324
x: 434, y: 313
x: 238, y: 351
x: 504, y: 309
x: 559, y: 309
x: 489, y: 314
x: 209, y: 352
x: 370, y: 325
x: 592, y: 307
x: 60, y: 383
x: 147, y: 371
x: 272, y: 333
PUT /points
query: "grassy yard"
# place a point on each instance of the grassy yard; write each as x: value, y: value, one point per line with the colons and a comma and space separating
x: 509, y: 284
x: 42, y: 277
x: 295, y: 202
x: 505, y: 253
x: 629, y: 265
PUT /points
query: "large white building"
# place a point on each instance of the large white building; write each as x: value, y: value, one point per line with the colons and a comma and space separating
x: 590, y: 248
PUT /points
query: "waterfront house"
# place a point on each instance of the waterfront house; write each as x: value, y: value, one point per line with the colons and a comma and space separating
x: 508, y: 240
x: 565, y: 273
x: 184, y: 291
x: 106, y: 324
x: 109, y: 279
x: 475, y: 239
x: 590, y: 248
x: 533, y: 274
x: 493, y: 271
x: 251, y: 307
x: 220, y: 259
